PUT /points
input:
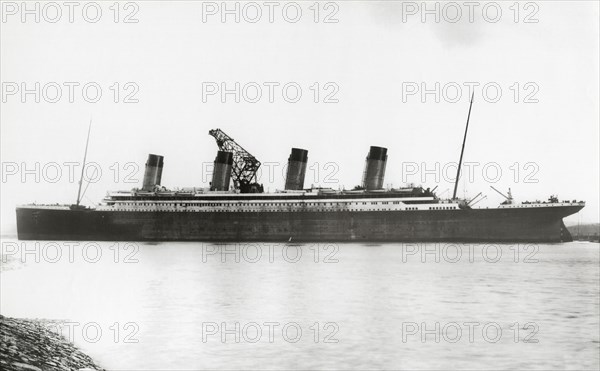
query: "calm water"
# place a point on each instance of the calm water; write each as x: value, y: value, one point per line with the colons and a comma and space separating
x: 177, y: 305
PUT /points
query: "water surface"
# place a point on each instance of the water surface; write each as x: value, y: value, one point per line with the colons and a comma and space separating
x: 358, y: 306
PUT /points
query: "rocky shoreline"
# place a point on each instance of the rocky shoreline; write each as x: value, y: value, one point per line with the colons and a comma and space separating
x: 27, y: 344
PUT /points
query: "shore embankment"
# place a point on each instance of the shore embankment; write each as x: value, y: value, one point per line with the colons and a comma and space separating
x: 27, y: 344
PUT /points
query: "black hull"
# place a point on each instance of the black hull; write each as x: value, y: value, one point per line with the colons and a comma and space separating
x: 543, y: 224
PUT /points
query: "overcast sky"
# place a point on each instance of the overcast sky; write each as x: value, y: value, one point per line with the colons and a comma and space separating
x: 364, y: 59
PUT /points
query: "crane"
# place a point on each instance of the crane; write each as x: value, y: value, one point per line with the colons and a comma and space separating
x: 481, y: 199
x: 244, y: 166
x: 509, y: 198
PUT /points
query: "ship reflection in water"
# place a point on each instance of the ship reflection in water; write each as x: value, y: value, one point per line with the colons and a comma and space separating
x: 375, y: 306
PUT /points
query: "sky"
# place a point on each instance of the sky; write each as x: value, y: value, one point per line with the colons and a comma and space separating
x: 331, y: 77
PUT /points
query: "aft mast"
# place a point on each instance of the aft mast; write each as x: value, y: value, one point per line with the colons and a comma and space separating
x: 462, y: 151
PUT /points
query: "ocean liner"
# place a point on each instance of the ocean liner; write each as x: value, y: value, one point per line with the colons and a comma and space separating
x: 236, y: 208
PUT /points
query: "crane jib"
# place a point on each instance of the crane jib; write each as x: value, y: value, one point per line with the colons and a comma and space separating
x: 245, y: 165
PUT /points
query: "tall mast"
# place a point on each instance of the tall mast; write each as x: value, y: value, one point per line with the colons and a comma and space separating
x: 462, y: 151
x: 84, y: 158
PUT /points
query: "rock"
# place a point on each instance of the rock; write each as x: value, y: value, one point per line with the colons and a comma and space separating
x: 25, y: 366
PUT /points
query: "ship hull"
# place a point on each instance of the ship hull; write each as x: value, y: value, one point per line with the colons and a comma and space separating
x: 471, y: 225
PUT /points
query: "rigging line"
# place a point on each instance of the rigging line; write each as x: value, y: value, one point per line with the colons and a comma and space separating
x: 87, y: 142
x: 88, y: 183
